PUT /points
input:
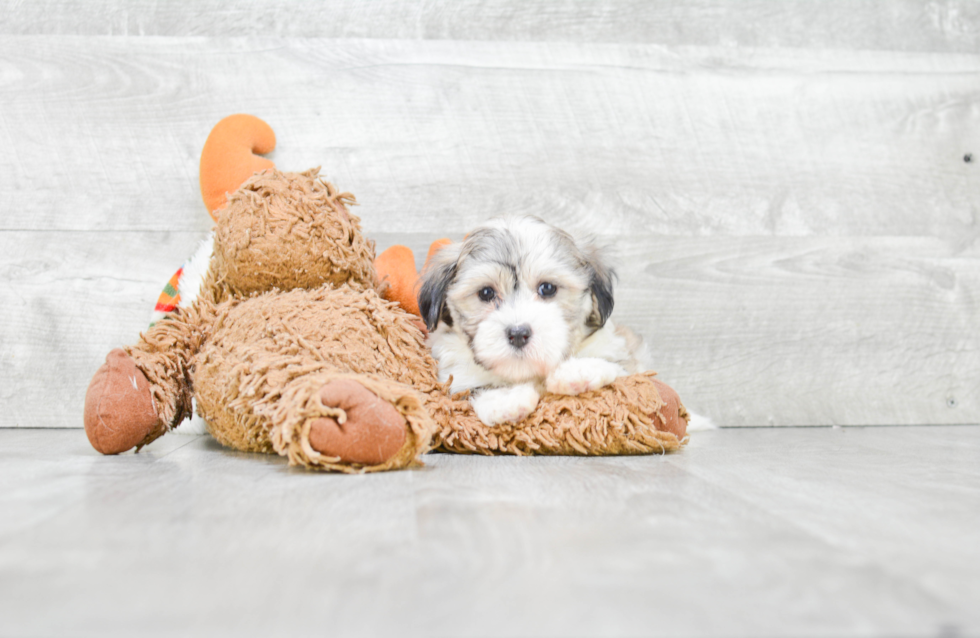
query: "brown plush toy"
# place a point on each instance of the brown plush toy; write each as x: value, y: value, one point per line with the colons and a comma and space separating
x: 289, y: 347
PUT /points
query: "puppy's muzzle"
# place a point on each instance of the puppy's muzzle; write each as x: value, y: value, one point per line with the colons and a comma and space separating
x: 518, y: 335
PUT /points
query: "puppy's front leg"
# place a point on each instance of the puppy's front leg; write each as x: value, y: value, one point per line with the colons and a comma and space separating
x: 578, y: 375
x: 500, y: 405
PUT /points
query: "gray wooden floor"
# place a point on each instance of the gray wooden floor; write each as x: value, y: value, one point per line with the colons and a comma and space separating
x: 748, y: 532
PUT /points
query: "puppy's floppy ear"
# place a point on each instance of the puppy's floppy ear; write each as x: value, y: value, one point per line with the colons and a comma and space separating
x: 601, y: 280
x: 438, y: 274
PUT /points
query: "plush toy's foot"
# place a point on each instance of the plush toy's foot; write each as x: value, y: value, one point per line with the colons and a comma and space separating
x: 119, y: 411
x: 673, y: 417
x: 373, y: 432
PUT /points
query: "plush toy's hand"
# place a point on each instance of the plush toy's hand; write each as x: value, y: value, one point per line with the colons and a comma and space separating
x: 229, y: 156
x: 373, y: 432
x: 119, y: 411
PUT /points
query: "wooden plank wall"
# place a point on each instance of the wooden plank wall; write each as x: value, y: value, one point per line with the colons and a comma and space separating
x: 783, y: 183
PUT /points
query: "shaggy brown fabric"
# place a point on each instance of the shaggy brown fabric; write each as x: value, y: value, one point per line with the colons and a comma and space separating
x: 165, y: 354
x: 259, y: 377
x: 269, y: 356
x: 301, y: 405
x: 288, y: 308
x: 290, y: 230
x: 621, y: 418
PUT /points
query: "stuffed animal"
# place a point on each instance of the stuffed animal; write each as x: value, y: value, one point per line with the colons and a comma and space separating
x: 289, y: 347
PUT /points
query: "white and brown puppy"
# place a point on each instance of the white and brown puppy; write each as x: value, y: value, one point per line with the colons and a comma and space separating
x: 519, y: 307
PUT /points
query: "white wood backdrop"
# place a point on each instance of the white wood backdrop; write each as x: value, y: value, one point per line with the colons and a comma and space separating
x: 783, y: 183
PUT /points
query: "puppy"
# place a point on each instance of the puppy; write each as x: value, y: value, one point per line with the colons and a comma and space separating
x: 519, y: 307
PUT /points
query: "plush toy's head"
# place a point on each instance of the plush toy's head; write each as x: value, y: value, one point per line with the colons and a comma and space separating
x: 274, y: 229
x: 290, y: 230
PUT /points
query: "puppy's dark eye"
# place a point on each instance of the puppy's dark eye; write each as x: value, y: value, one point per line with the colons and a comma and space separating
x: 547, y: 289
x: 487, y: 293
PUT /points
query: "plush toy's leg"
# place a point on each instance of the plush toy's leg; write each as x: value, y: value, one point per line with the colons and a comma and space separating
x: 372, y: 433
x: 119, y: 410
x: 673, y: 416
x: 351, y: 423
x: 142, y: 391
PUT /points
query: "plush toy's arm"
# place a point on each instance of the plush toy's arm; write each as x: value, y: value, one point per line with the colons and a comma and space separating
x: 144, y: 390
x: 637, y: 414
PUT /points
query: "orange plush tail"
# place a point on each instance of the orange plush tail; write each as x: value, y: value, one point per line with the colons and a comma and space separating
x: 397, y: 276
x: 231, y: 156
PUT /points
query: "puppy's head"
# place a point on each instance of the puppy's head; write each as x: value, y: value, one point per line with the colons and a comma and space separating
x: 521, y: 292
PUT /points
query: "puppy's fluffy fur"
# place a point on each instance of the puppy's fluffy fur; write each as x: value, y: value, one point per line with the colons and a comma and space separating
x: 518, y: 307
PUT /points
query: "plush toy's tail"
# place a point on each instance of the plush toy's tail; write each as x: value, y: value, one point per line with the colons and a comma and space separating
x: 231, y: 156
x: 397, y: 277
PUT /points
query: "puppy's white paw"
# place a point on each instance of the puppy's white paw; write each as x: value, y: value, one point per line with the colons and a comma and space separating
x: 503, y: 405
x: 576, y: 376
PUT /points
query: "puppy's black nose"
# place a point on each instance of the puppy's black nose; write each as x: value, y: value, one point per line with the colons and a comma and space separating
x: 519, y: 335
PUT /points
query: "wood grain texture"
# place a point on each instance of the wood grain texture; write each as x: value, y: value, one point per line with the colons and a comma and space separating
x: 69, y: 298
x: 756, y: 532
x: 104, y: 133
x: 750, y: 331
x: 790, y: 176
x: 844, y: 485
x: 809, y: 331
x: 899, y: 25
